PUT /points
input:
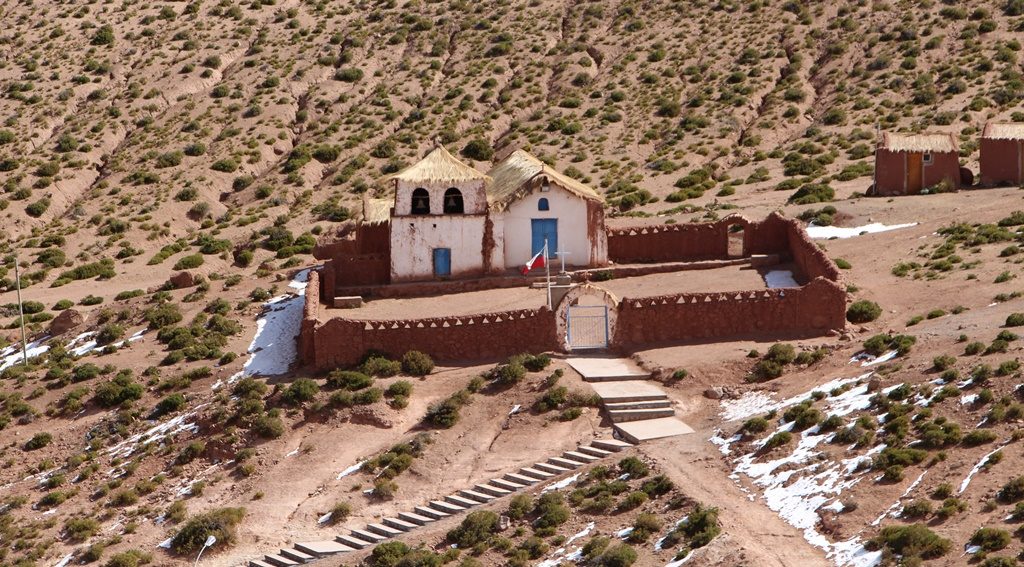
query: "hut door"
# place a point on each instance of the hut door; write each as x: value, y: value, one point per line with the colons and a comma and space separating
x: 914, y: 173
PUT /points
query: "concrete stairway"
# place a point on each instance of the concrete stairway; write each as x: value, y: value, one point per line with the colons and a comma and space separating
x: 448, y: 506
x: 639, y: 409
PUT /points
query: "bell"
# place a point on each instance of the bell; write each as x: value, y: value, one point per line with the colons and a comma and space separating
x: 451, y: 201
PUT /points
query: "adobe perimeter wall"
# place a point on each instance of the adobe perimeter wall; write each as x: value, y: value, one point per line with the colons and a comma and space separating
x: 1000, y: 162
x: 668, y: 243
x: 810, y: 310
x: 343, y: 342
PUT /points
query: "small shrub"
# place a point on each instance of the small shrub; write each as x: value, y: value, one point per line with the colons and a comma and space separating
x: 863, y: 311
x: 416, y: 363
x: 219, y: 523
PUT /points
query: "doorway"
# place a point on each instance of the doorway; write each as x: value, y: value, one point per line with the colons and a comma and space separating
x: 442, y: 262
x: 915, y: 173
x: 736, y: 248
x: 544, y: 229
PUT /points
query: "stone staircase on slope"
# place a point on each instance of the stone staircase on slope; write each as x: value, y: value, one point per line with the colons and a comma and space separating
x: 639, y: 410
x: 450, y: 505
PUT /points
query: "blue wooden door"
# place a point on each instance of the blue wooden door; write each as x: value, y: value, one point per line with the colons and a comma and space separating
x: 544, y: 229
x: 442, y: 262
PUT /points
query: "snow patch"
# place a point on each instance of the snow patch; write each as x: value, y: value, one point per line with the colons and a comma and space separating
x: 63, y: 562
x: 780, y: 278
x: 273, y: 348
x: 350, y: 470
x: 821, y: 232
x: 562, y: 483
x: 977, y: 468
x: 11, y: 355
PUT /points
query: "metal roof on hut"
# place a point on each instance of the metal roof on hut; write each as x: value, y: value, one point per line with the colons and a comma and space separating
x: 511, y: 175
x: 1003, y: 131
x: 924, y: 143
x: 438, y: 166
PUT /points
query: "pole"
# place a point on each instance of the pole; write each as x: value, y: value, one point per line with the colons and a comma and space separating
x: 21, y: 312
x: 547, y: 272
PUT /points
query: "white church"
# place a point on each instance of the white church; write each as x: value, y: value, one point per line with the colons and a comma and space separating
x: 450, y: 221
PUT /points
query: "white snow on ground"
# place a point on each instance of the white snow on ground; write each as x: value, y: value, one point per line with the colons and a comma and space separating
x: 796, y: 485
x: 661, y: 540
x: 323, y: 519
x: 757, y: 403
x: 780, y: 278
x: 350, y: 470
x: 977, y: 467
x: 679, y: 562
x: 67, y: 559
x: 968, y: 399
x: 11, y: 355
x: 723, y: 443
x: 560, y: 556
x: 170, y: 427
x: 515, y: 409
x: 273, y: 348
x: 166, y: 544
x: 624, y: 532
x: 562, y: 483
x: 897, y: 506
x: 866, y: 359
x: 839, y: 232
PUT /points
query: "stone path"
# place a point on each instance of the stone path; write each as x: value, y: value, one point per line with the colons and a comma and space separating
x: 450, y: 505
x: 640, y: 410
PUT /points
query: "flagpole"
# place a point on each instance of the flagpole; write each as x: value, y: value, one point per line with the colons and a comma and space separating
x: 547, y: 272
x: 21, y: 312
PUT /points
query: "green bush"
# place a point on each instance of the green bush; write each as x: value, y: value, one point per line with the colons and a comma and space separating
x: 1015, y: 320
x: 551, y: 510
x: 812, y: 193
x: 189, y: 262
x: 476, y: 528
x: 38, y: 441
x: 621, y: 555
x: 478, y: 149
x: 416, y: 363
x: 863, y: 311
x: 129, y: 558
x: 913, y: 541
x: 388, y: 554
x: 377, y: 365
x: 779, y: 439
x: 300, y: 391
x: 170, y: 404
x: 399, y: 388
x: 219, y: 523
x: 118, y: 391
x: 519, y: 506
x: 349, y: 380
x: 634, y: 467
x: 990, y: 539
x: 340, y: 511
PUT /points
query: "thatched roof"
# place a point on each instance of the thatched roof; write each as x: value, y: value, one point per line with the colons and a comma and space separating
x: 376, y: 211
x: 1003, y: 131
x: 438, y: 166
x: 512, y: 173
x: 926, y: 142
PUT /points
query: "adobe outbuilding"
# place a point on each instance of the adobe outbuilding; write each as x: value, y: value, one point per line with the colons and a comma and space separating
x: 906, y: 164
x: 1002, y: 154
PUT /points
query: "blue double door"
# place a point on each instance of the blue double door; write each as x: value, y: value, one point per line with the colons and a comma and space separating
x: 442, y: 262
x: 544, y: 229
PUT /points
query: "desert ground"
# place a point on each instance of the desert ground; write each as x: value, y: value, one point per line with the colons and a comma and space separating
x: 140, y: 141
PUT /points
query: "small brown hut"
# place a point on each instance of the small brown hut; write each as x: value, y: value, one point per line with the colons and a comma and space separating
x: 1002, y: 154
x: 905, y: 164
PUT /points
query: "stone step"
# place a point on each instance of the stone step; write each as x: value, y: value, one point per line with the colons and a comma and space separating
x: 507, y: 484
x: 565, y: 463
x: 384, y: 530
x: 460, y: 501
x: 296, y: 555
x: 613, y: 445
x: 519, y: 478
x: 490, y: 490
x: 353, y: 542
x: 433, y: 513
x: 553, y: 469
x: 474, y: 495
x: 645, y: 404
x: 279, y: 561
x: 447, y: 507
x: 414, y: 518
x: 580, y: 457
x: 259, y: 563
x: 534, y: 473
x: 368, y: 536
x: 400, y: 524
x: 322, y: 548
x: 619, y: 416
x: 595, y: 451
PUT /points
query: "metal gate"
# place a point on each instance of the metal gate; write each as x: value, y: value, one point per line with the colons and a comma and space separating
x: 587, y: 326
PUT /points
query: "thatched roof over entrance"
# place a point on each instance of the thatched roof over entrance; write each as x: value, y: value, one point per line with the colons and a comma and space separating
x: 1003, y: 131
x: 511, y: 175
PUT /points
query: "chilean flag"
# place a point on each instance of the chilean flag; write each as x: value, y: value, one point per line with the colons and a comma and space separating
x: 535, y: 262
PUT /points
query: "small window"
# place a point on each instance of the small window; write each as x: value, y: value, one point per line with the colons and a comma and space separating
x: 453, y: 204
x: 927, y: 159
x: 543, y: 205
x: 420, y: 201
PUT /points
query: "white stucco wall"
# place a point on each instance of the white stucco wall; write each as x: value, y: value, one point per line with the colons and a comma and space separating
x: 413, y: 239
x: 571, y: 212
x: 474, y: 196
